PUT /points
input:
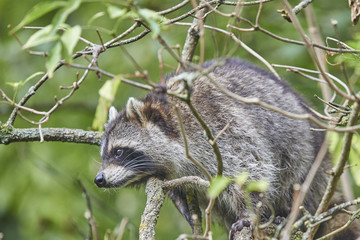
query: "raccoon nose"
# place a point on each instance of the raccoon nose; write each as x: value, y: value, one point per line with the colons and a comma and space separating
x: 100, y: 180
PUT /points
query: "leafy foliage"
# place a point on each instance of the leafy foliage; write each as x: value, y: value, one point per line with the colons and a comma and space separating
x: 218, y: 184
x: 107, y: 95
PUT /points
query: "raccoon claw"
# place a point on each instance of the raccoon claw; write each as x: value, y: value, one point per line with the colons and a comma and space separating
x: 238, y: 226
x: 278, y: 220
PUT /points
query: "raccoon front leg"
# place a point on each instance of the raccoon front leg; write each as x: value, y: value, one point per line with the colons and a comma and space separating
x: 178, y: 196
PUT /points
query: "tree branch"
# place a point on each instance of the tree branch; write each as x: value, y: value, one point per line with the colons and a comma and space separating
x: 155, y: 198
x: 50, y: 135
x: 194, y: 34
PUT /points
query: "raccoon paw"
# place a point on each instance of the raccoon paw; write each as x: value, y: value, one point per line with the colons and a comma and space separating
x: 239, y: 225
x: 278, y: 220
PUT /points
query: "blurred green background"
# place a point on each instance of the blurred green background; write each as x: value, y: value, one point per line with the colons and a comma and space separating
x: 39, y: 194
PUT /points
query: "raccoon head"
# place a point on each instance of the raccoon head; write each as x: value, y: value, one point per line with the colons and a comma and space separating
x: 134, y: 144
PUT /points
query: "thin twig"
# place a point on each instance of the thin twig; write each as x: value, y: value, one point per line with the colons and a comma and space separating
x: 337, y: 208
x: 122, y: 35
x: 44, y: 54
x: 355, y: 216
x: 138, y: 67
x: 93, y: 232
x: 242, y: 44
x: 5, y: 97
x: 209, y: 136
x: 216, y: 2
x: 208, y: 216
x: 314, y: 57
x: 121, y: 230
x: 292, y: 68
x: 186, y: 145
x: 303, y: 4
x: 172, y: 53
x: 221, y: 132
x: 129, y: 40
x: 316, y: 35
x: 174, y: 8
x: 258, y: 14
x: 47, y: 114
x: 287, y: 40
x: 187, y: 237
x: 193, y: 180
x: 127, y: 81
x: 26, y: 97
x: 243, y: 3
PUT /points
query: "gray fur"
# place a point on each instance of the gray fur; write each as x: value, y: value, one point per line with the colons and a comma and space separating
x: 266, y: 144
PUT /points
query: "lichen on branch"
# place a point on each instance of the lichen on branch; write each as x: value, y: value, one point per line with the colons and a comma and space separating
x: 49, y: 134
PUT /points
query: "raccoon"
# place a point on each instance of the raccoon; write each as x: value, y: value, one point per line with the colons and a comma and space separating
x: 144, y: 140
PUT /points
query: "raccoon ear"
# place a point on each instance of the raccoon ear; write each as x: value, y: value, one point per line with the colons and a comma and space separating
x: 112, y: 113
x: 134, y: 110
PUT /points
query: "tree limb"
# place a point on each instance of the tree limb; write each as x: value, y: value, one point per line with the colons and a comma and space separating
x: 50, y: 135
x: 155, y: 198
x: 193, y: 35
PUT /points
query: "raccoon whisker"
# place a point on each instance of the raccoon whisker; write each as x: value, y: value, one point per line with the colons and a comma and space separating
x: 129, y: 155
x: 97, y: 161
x: 139, y: 166
x: 136, y: 164
x: 128, y: 160
x: 136, y: 160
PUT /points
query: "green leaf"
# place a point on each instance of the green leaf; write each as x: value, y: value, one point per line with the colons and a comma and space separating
x: 53, y: 59
x: 154, y: 20
x: 48, y: 33
x: 15, y: 85
x: 115, y: 12
x: 40, y: 37
x: 155, y: 28
x: 96, y: 16
x: 150, y: 14
x: 257, y: 186
x: 217, y: 185
x: 39, y: 10
x: 107, y: 94
x: 31, y: 77
x: 22, y: 83
x: 61, y: 16
x: 69, y: 39
x: 242, y: 178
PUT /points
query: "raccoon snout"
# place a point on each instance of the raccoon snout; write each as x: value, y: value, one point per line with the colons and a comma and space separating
x: 100, y: 180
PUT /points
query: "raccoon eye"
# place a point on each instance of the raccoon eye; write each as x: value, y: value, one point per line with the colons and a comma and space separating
x: 118, y: 152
